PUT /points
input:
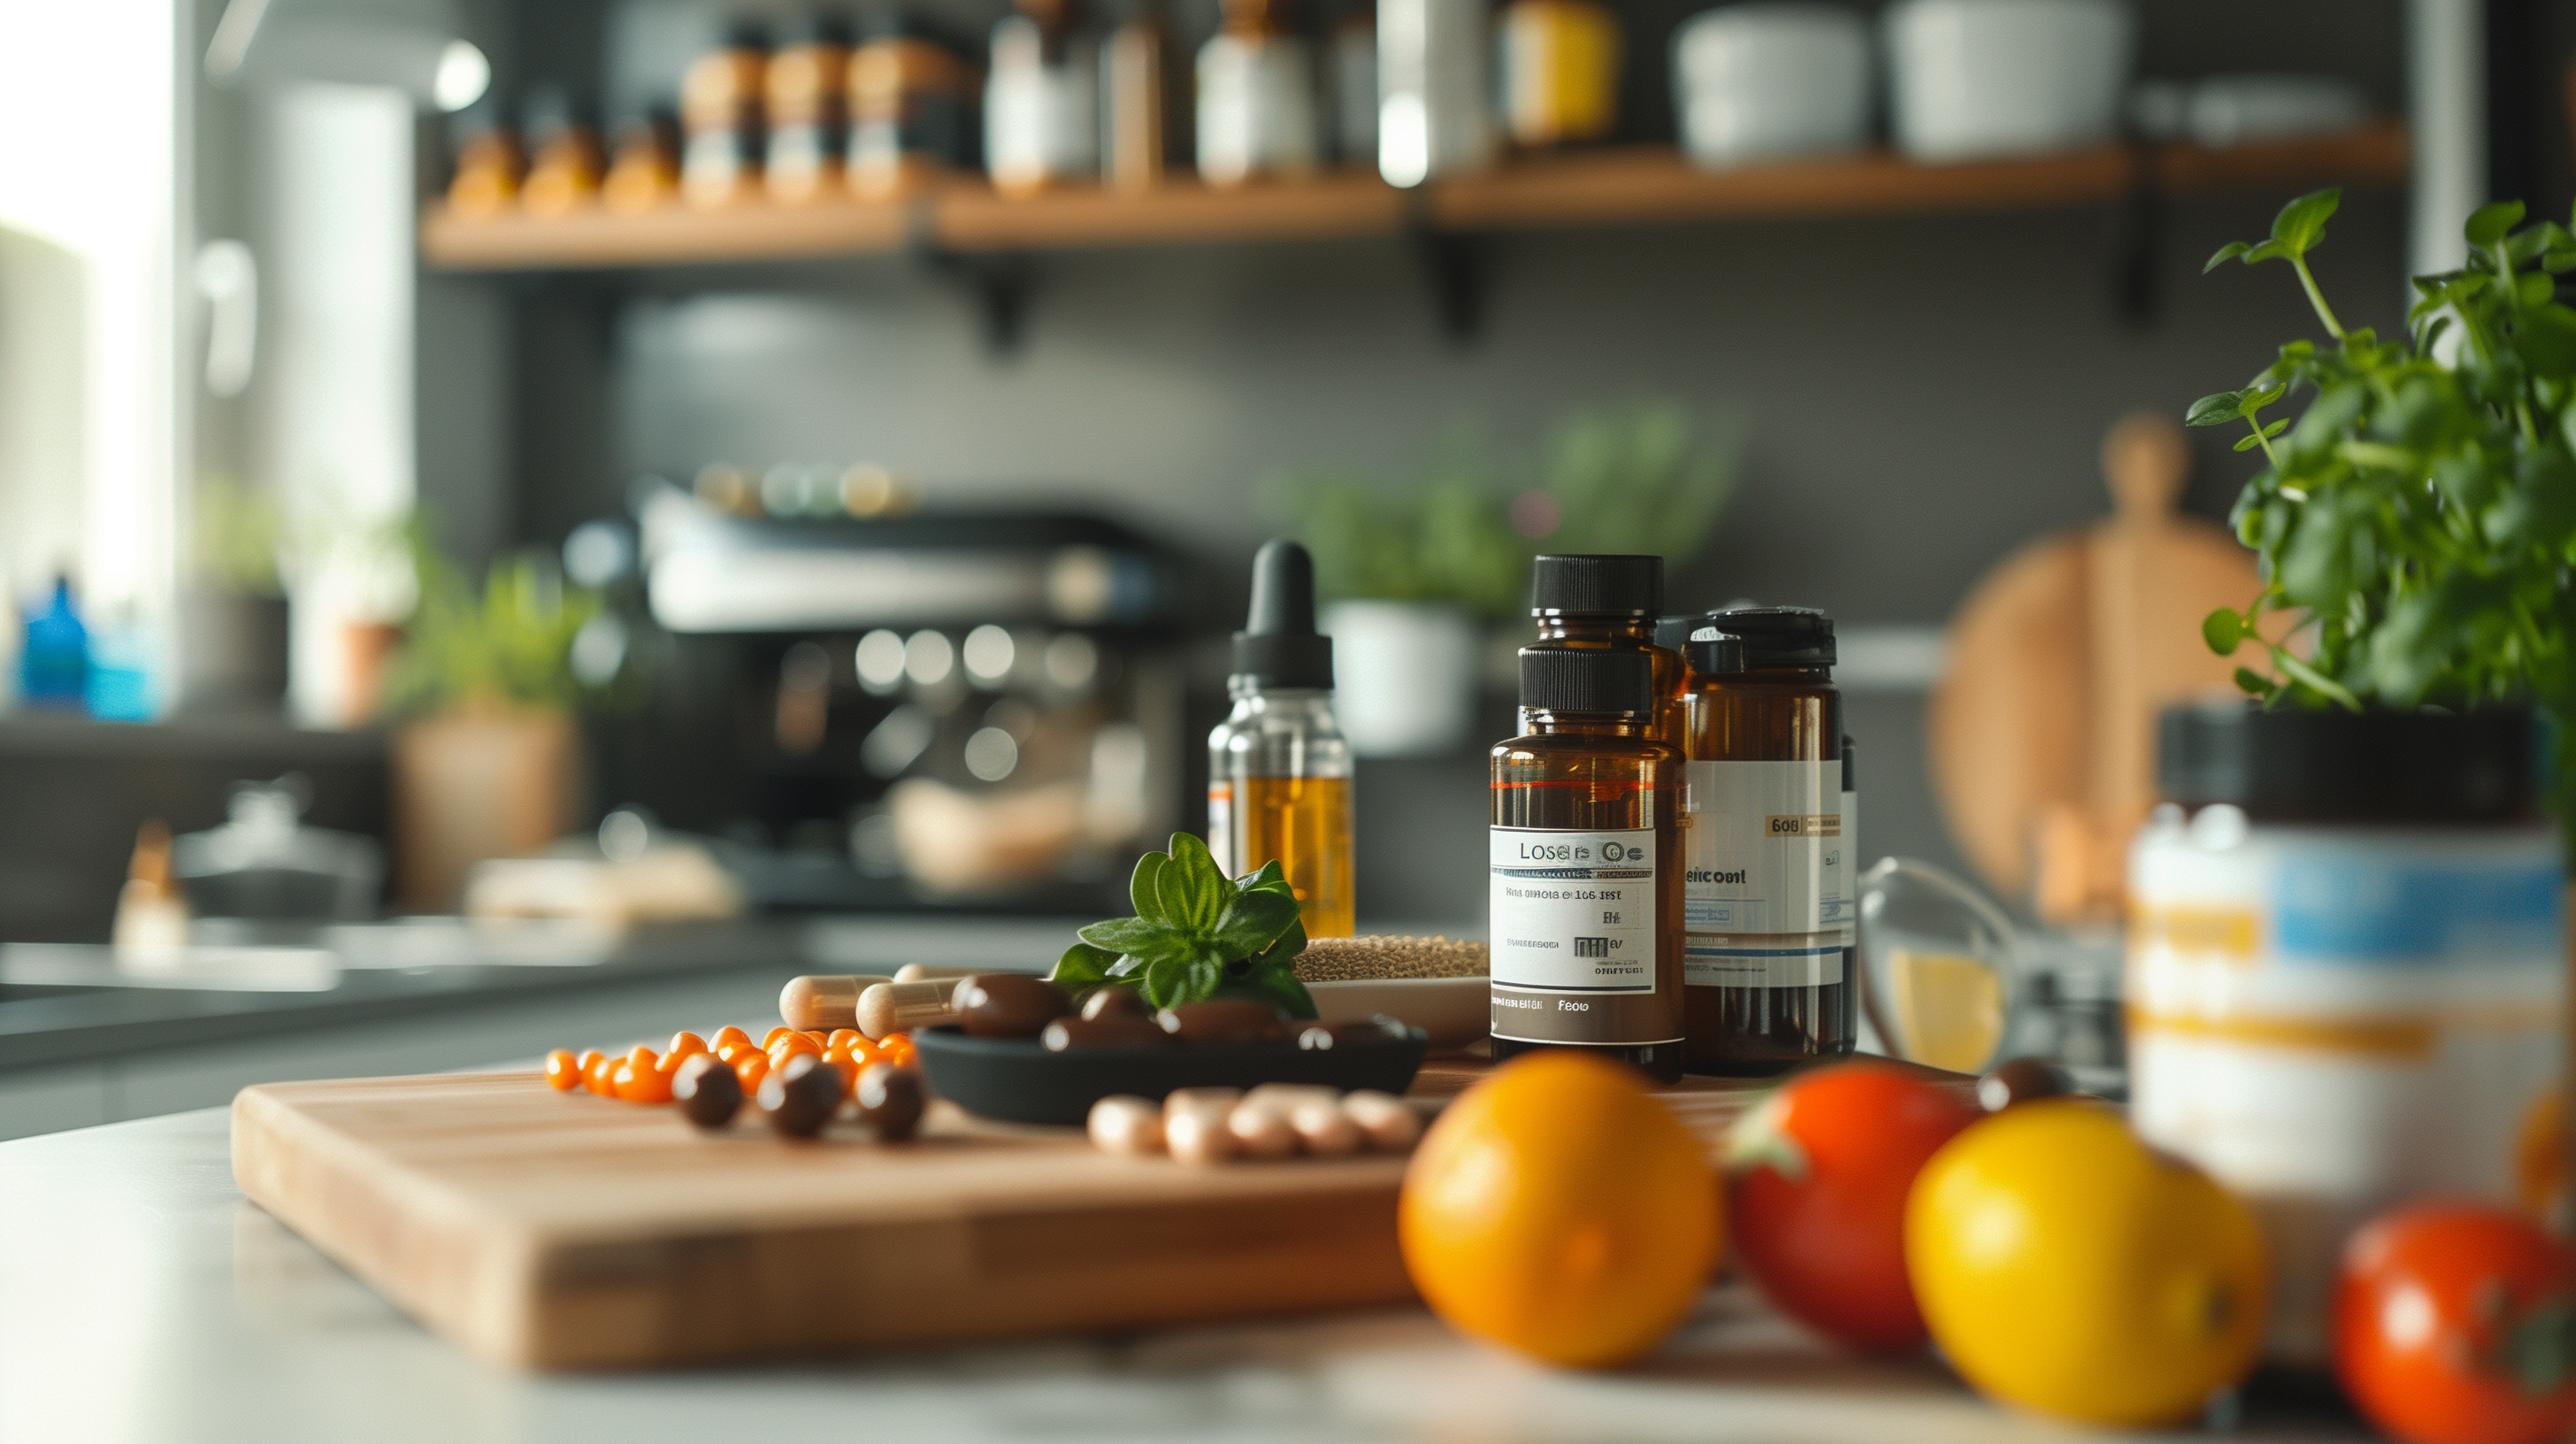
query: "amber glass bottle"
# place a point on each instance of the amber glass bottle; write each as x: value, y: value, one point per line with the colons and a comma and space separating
x: 1609, y: 601
x: 1586, y: 915
x: 1768, y: 911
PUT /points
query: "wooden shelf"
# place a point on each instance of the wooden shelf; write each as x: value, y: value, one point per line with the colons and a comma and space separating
x: 1617, y: 186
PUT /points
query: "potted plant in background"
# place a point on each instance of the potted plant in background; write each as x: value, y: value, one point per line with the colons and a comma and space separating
x: 488, y: 761
x: 2420, y: 515
x: 1417, y: 572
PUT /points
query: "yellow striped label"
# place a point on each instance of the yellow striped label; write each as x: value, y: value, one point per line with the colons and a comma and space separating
x: 2234, y: 933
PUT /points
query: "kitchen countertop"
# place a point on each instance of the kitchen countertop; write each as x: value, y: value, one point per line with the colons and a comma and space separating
x: 146, y: 1300
x: 44, y: 1023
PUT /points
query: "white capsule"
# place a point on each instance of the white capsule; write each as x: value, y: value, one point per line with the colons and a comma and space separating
x: 1324, y: 1129
x: 1261, y: 1129
x: 1198, y: 1135
x: 1125, y: 1123
x: 1389, y: 1124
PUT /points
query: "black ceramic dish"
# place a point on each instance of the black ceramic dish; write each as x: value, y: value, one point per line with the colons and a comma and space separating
x: 1018, y: 1079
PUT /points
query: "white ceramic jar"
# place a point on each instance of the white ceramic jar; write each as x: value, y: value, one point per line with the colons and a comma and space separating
x: 1768, y: 82
x: 2347, y: 975
x: 1981, y: 79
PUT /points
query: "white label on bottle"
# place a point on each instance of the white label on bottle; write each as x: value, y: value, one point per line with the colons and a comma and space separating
x: 1766, y: 849
x: 1220, y: 834
x: 1574, y: 911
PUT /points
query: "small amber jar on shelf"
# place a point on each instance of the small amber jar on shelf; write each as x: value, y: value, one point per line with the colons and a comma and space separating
x: 489, y: 171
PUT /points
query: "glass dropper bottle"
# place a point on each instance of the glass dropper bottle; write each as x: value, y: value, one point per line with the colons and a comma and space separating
x: 1279, y: 773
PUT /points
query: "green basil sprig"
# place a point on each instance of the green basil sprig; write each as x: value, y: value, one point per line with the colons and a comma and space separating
x: 2417, y: 520
x: 1196, y: 935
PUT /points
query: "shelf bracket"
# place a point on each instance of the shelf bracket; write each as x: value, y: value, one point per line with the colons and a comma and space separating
x: 2136, y: 242
x: 999, y: 283
x: 1455, y: 266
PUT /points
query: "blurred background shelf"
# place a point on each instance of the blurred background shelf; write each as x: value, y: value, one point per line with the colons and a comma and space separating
x: 1597, y: 187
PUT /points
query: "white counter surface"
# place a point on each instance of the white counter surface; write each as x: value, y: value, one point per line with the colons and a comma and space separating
x: 142, y: 1299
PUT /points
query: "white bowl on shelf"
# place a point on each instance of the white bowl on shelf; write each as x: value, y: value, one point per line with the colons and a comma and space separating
x: 1452, y: 1012
x: 1769, y: 82
x: 1985, y: 79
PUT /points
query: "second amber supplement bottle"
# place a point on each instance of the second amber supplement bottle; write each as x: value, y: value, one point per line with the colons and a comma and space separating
x: 1770, y: 912
x: 1586, y: 917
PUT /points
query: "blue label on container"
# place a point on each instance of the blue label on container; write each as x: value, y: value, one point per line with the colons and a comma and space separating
x: 2352, y: 907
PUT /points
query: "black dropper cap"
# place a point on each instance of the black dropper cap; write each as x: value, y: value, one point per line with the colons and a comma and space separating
x: 1278, y: 646
x: 1779, y: 636
x: 1713, y: 653
x: 1674, y: 632
x: 1588, y: 680
x: 1598, y: 584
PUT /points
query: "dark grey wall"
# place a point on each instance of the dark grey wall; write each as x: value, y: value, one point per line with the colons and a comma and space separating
x: 1924, y: 394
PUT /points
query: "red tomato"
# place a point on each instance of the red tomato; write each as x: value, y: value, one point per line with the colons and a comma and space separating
x: 2451, y: 1326
x: 1817, y: 1176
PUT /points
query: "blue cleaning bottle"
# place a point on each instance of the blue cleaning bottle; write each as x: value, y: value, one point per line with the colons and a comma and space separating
x: 53, y: 664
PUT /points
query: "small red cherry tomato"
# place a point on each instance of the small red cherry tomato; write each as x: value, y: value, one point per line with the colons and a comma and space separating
x: 2456, y: 1324
x: 1817, y: 1177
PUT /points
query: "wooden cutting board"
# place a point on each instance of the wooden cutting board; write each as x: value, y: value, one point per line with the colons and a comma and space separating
x: 563, y: 1231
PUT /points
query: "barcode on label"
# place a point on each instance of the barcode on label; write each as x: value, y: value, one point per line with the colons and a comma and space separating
x: 1592, y: 947
x: 1827, y: 824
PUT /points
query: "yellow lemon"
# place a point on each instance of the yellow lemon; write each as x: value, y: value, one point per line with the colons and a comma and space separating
x: 1557, y: 1209
x: 2066, y: 1267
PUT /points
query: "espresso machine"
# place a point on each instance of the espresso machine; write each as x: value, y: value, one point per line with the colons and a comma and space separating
x: 973, y: 709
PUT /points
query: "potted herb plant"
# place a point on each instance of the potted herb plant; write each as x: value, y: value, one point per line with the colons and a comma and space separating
x: 2420, y: 514
x: 488, y: 762
x: 1415, y: 572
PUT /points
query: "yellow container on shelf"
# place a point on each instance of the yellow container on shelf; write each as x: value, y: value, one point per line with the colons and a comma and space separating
x: 1560, y: 63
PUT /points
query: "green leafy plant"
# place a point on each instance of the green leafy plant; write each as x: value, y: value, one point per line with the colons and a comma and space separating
x: 1196, y: 935
x: 1627, y: 479
x: 507, y: 647
x: 2419, y: 517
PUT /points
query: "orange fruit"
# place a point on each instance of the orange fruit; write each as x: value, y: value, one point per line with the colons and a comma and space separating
x: 1559, y: 1210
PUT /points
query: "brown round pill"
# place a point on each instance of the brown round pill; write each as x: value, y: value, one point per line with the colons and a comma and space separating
x: 1008, y: 1005
x: 1066, y: 1034
x: 800, y: 1097
x: 1320, y: 1037
x: 707, y: 1090
x: 1113, y: 1001
x: 1224, y: 1020
x: 2020, y: 1081
x: 890, y: 1101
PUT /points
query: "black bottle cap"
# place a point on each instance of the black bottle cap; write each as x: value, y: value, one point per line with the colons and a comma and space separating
x: 1674, y: 632
x: 1278, y: 646
x: 1779, y: 636
x: 1712, y: 652
x: 1590, y: 679
x: 2381, y: 765
x: 1614, y: 585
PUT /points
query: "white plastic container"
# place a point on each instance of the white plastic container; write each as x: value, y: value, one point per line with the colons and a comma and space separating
x: 1983, y: 79
x: 1768, y: 82
x: 2347, y: 975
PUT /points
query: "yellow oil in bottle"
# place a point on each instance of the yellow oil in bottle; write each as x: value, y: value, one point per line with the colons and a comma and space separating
x: 1305, y: 823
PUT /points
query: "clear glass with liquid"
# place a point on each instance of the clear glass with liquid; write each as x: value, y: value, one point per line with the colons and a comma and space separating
x: 1279, y: 786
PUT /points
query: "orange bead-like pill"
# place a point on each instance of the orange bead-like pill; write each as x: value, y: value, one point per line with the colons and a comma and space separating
x: 770, y: 1039
x: 749, y: 1067
x: 644, y: 1084
x: 728, y: 1036
x: 599, y: 1073
x: 791, y: 1045
x: 842, y: 1038
x: 563, y: 1070
x: 683, y: 1044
